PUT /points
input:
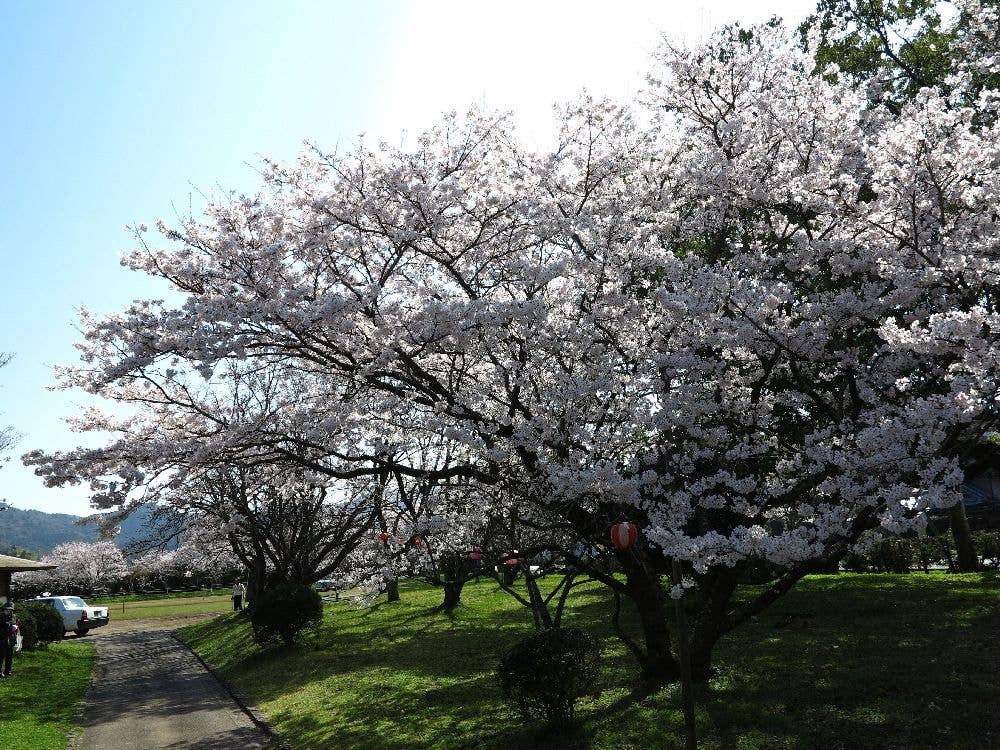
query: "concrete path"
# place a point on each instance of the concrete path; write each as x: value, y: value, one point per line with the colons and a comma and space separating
x: 151, y: 693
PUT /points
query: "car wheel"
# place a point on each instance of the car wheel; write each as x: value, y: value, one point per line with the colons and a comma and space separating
x: 81, y: 631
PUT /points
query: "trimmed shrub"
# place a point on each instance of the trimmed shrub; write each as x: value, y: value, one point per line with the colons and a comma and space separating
x: 284, y: 611
x: 895, y: 555
x: 857, y: 563
x: 29, y: 629
x: 545, y: 674
x: 988, y: 546
x: 48, y: 622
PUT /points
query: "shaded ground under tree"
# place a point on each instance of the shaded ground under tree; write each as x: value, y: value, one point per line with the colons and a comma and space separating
x: 843, y: 662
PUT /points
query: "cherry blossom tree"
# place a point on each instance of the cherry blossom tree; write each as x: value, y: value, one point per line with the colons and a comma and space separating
x: 203, y: 552
x: 180, y: 450
x: 749, y: 313
x: 82, y: 567
x: 897, y: 50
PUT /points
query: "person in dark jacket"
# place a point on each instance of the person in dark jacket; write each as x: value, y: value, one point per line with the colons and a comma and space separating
x: 8, y: 638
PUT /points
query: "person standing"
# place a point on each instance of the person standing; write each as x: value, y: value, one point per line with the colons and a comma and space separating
x: 8, y: 638
x: 239, y: 591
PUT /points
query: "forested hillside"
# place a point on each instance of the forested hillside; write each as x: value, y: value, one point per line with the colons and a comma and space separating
x: 36, y: 532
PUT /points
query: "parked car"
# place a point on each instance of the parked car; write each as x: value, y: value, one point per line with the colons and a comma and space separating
x: 325, y: 585
x: 77, y: 615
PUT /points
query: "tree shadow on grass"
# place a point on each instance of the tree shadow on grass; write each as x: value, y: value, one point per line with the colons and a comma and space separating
x: 905, y: 671
x: 878, y: 664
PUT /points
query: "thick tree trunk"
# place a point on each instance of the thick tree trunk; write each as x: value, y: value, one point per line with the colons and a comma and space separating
x: 452, y: 594
x: 968, y: 561
x: 715, y: 594
x: 656, y: 662
x: 392, y: 589
x: 452, y: 567
x: 257, y: 581
x: 508, y: 574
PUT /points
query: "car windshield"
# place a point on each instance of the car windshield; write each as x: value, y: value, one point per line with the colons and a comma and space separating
x: 74, y: 601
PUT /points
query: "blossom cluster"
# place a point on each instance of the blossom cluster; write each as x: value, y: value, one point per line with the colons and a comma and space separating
x: 749, y: 312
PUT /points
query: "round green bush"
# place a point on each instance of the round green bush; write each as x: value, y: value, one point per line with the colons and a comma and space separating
x: 988, y: 546
x: 29, y: 628
x: 48, y: 622
x: 857, y: 563
x: 284, y: 611
x: 895, y: 555
x: 545, y: 674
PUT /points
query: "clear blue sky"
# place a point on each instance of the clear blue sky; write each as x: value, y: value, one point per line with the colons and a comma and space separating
x: 115, y: 113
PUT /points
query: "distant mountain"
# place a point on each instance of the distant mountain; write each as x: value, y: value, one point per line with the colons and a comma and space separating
x: 39, y: 532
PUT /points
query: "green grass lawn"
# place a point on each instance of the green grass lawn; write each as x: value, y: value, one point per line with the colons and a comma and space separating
x: 38, y: 701
x: 844, y: 662
x: 200, y: 594
x: 154, y: 607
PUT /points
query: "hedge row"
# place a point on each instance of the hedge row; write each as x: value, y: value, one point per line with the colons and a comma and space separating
x: 901, y: 555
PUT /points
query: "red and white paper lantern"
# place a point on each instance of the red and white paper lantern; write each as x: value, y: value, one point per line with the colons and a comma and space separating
x: 624, y: 534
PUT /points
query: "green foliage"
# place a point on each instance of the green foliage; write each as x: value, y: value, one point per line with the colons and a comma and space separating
x: 900, y: 555
x: 858, y: 563
x: 546, y: 673
x: 898, y: 42
x: 38, y: 703
x: 987, y: 545
x: 890, y: 555
x: 48, y: 623
x: 894, y: 555
x: 285, y: 611
x: 14, y: 551
x: 904, y: 45
x: 29, y: 630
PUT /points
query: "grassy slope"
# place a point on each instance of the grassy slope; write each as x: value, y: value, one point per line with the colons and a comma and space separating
x: 842, y: 662
x: 38, y: 701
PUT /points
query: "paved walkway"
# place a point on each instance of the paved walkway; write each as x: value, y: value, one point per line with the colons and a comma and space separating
x: 151, y: 693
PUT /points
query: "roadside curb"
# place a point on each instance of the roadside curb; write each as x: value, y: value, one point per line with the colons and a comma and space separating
x: 246, y: 706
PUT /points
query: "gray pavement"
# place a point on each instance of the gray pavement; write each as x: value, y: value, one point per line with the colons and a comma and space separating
x: 151, y: 693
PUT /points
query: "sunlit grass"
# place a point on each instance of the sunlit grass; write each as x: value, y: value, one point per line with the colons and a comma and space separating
x: 38, y: 701
x: 152, y: 608
x: 157, y: 596
x: 843, y: 662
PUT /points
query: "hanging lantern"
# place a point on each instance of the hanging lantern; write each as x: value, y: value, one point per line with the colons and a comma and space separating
x: 383, y: 537
x: 416, y: 541
x: 624, y: 534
